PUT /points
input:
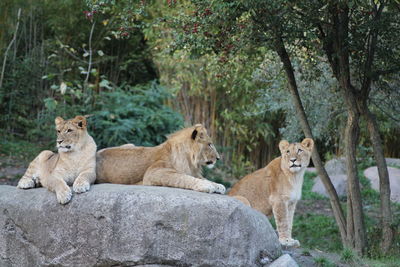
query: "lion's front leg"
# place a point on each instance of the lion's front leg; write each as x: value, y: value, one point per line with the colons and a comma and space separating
x: 30, y: 178
x: 83, y: 181
x: 291, y: 210
x: 59, y: 186
x: 280, y: 209
x: 171, y: 178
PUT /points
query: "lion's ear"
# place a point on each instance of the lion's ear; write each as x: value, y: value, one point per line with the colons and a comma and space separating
x: 194, y: 134
x: 199, y: 132
x: 308, y: 143
x: 80, y: 121
x: 283, y: 145
x: 58, y: 120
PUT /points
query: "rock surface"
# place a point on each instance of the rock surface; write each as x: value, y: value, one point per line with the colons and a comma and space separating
x: 284, y: 261
x: 336, y: 169
x: 120, y: 225
x: 339, y: 181
x: 394, y: 177
x: 336, y: 166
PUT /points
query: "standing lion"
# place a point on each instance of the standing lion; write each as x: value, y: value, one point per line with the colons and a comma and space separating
x: 277, y: 187
x: 74, y: 164
x: 175, y: 163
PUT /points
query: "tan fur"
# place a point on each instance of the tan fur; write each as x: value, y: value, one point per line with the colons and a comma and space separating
x: 175, y: 163
x: 277, y: 187
x: 74, y: 164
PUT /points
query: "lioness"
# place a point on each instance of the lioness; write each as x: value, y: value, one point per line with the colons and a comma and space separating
x: 74, y: 164
x: 176, y: 162
x: 277, y: 187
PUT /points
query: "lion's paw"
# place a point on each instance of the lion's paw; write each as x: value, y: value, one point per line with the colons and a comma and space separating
x: 81, y: 187
x: 289, y: 242
x: 64, y: 196
x: 26, y: 183
x: 219, y: 189
x: 204, y: 186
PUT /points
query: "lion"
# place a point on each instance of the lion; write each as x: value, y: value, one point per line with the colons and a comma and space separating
x: 74, y: 164
x: 277, y: 187
x: 175, y: 163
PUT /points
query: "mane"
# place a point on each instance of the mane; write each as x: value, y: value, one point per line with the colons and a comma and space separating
x: 185, y: 151
x: 183, y: 134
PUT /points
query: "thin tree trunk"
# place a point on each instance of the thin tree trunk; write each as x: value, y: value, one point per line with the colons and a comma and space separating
x: 384, y: 182
x: 334, y: 199
x: 355, y: 217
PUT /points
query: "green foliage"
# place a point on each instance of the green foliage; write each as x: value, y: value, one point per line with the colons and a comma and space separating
x: 134, y: 115
x: 24, y: 150
x: 308, y: 183
x: 317, y: 231
x: 323, y: 262
x: 48, y: 72
x: 347, y: 255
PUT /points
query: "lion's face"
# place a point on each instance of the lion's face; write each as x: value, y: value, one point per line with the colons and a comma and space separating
x: 209, y: 154
x: 296, y: 156
x: 69, y: 132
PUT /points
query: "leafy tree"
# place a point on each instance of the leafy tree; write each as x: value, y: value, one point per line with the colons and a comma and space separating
x: 345, y: 34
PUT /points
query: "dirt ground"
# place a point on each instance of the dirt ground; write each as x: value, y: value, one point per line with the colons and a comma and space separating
x: 11, y: 170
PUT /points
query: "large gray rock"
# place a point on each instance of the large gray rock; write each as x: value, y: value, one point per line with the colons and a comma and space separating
x: 336, y: 166
x: 394, y: 178
x: 339, y: 181
x: 284, y: 261
x: 393, y: 161
x: 336, y: 169
x: 122, y: 225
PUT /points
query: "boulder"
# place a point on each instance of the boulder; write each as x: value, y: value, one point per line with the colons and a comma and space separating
x: 336, y: 166
x: 393, y: 161
x: 336, y: 169
x: 122, y: 225
x: 284, y: 261
x: 339, y: 181
x: 394, y: 177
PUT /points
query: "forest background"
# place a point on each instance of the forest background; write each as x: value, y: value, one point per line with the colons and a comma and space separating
x: 144, y: 69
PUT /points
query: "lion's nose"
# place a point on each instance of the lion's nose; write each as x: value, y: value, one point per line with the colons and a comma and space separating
x: 293, y: 160
x: 59, y: 141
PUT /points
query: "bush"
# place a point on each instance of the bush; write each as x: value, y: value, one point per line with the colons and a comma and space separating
x: 134, y: 115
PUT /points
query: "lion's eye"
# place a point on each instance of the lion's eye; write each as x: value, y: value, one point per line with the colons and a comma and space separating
x: 288, y: 151
x: 299, y: 151
x: 58, y: 131
x: 210, y: 145
x: 69, y: 130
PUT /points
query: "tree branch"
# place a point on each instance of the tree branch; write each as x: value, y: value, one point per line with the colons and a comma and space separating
x: 90, y: 54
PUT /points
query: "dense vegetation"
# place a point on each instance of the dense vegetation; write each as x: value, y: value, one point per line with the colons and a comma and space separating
x: 143, y: 69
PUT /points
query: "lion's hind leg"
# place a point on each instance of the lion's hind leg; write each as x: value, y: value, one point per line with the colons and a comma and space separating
x: 243, y: 200
x: 31, y: 176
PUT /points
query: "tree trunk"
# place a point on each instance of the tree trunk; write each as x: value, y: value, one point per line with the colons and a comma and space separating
x: 334, y: 199
x: 384, y: 183
x: 355, y: 218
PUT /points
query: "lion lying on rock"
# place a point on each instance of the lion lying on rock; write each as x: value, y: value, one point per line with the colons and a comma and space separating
x: 175, y: 163
x: 277, y: 187
x: 74, y: 164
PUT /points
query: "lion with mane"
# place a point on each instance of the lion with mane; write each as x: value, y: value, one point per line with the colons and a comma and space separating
x: 175, y: 163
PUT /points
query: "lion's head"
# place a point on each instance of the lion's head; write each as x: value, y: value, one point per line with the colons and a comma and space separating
x: 197, y: 144
x: 296, y: 156
x: 70, y: 133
